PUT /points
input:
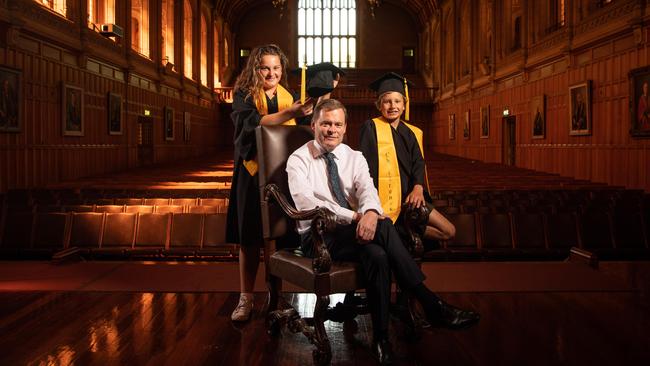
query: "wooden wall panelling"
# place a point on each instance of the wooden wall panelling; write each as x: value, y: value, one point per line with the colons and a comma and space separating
x: 39, y: 154
x: 608, y: 155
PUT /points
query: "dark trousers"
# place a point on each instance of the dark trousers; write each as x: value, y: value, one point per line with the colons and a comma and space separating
x: 384, y: 255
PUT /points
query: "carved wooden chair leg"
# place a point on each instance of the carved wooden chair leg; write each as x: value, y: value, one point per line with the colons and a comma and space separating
x: 323, y: 353
x: 273, y: 317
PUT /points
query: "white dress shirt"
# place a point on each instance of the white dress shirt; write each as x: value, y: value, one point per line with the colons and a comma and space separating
x: 308, y: 182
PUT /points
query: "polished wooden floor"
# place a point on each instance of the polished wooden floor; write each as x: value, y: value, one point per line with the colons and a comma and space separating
x: 132, y: 328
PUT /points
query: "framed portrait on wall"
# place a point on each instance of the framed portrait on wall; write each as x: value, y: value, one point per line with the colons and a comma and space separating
x: 72, y: 110
x: 114, y: 114
x: 452, y: 126
x: 10, y: 100
x: 538, y: 116
x: 485, y: 122
x: 580, y: 109
x: 168, y: 123
x: 639, y: 102
x: 466, y: 126
x: 187, y: 126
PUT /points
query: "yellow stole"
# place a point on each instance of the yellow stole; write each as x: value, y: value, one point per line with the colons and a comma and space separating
x: 285, y: 100
x: 390, y: 185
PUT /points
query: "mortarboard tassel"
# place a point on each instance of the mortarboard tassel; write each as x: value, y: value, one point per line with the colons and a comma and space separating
x: 406, y: 107
x: 303, y: 82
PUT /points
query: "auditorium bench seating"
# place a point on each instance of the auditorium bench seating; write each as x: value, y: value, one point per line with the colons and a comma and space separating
x: 86, y: 229
x: 492, y: 224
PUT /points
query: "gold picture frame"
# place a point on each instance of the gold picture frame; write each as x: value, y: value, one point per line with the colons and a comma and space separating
x: 72, y: 113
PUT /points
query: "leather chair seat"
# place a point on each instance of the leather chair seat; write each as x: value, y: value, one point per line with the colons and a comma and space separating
x: 343, y: 276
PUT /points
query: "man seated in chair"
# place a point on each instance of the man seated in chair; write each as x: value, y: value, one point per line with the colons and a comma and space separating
x: 327, y: 173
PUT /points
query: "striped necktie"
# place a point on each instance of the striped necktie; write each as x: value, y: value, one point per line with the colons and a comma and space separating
x: 335, y: 181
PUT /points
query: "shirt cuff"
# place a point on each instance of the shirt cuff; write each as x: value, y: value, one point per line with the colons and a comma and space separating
x: 367, y: 207
x: 344, y: 215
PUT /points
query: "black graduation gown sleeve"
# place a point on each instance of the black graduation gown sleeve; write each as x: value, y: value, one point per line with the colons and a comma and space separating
x: 244, y: 193
x: 301, y: 121
x: 244, y: 223
x: 368, y: 146
x: 245, y: 117
x: 411, y: 162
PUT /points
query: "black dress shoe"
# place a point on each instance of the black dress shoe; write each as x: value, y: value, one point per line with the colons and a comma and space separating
x: 451, y: 317
x: 383, y: 351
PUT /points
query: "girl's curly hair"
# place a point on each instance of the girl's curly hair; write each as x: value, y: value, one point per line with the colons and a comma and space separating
x: 250, y: 80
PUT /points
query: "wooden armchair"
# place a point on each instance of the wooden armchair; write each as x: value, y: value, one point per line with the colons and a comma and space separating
x: 318, y: 275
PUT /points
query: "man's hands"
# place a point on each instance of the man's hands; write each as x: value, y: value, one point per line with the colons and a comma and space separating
x: 416, y: 197
x: 366, y: 226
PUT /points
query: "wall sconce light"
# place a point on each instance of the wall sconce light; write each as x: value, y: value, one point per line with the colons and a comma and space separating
x: 279, y: 4
x: 373, y: 4
x: 485, y: 66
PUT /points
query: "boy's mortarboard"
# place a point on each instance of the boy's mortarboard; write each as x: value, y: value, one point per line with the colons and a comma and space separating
x: 392, y: 82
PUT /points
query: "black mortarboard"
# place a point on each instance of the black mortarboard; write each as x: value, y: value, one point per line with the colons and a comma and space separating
x: 390, y: 82
x: 320, y: 78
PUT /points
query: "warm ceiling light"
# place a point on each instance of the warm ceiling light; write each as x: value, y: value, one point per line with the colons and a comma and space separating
x: 279, y: 4
x: 373, y: 4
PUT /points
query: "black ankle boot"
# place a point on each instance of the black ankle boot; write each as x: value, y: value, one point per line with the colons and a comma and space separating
x: 451, y: 317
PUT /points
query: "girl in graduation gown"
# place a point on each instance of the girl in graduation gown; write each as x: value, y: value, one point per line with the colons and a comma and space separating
x: 260, y: 98
x: 393, y: 149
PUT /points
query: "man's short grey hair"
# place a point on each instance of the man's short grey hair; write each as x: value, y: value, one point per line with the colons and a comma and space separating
x: 329, y: 105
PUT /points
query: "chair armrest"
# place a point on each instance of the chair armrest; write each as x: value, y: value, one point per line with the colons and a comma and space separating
x: 322, y: 220
x: 415, y: 220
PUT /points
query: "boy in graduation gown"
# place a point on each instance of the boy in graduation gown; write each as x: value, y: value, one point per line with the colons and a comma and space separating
x: 394, y: 151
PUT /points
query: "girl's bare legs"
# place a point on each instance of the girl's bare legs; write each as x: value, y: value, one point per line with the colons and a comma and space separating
x: 439, y: 227
x: 249, y: 260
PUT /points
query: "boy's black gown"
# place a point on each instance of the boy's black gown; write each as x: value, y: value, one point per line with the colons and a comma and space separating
x: 412, y: 166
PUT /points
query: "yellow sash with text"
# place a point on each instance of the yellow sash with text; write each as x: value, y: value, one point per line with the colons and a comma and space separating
x: 285, y: 100
x: 390, y: 185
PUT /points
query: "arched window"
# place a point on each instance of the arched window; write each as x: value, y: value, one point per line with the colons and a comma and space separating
x: 140, y: 26
x: 56, y: 5
x: 100, y: 12
x: 558, y: 14
x: 167, y: 22
x: 215, y: 82
x: 225, y: 52
x: 204, y: 50
x: 464, y: 22
x: 187, y: 32
x: 327, y: 32
x: 448, y: 39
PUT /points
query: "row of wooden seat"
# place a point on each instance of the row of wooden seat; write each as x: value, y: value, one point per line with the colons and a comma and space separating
x: 149, y: 201
x: 498, y: 206
x: 539, y: 235
x: 51, y: 196
x: 125, y: 208
x: 549, y: 202
x: 563, y: 195
x: 537, y: 227
x: 448, y: 172
x: 117, y: 234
